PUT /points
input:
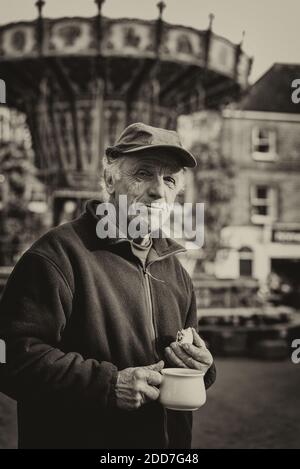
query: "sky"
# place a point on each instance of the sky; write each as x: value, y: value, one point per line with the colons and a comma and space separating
x: 272, y: 26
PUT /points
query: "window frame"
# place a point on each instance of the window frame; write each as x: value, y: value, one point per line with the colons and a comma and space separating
x: 271, y: 140
x: 270, y: 202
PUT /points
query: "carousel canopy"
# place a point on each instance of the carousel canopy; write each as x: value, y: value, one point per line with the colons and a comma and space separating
x: 80, y: 81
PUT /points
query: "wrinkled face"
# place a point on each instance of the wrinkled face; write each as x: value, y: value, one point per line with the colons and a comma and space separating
x: 152, y: 180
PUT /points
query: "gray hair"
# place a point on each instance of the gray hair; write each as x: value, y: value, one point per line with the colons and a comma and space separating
x: 112, y: 166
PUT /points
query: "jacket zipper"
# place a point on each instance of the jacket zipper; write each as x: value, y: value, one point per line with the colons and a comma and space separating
x: 150, y: 307
x: 154, y: 335
x: 149, y: 299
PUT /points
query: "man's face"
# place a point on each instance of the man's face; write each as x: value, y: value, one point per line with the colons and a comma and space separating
x: 152, y: 180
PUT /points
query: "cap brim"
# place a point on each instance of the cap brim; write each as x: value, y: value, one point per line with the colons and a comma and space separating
x: 187, y: 159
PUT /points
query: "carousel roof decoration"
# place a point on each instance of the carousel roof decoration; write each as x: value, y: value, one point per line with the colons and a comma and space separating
x: 81, y: 80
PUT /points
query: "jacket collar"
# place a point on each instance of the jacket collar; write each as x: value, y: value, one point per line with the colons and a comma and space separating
x: 163, y: 246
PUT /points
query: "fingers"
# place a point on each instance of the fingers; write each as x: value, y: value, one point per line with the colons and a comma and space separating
x: 180, y: 353
x: 174, y: 359
x: 197, y: 339
x: 135, y: 402
x: 145, y: 382
x: 149, y: 376
x: 189, y: 361
x: 189, y: 356
x: 150, y: 392
x: 201, y: 355
x: 136, y: 386
x: 153, y: 377
x: 156, y: 366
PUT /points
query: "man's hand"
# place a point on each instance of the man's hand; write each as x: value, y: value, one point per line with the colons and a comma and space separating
x: 136, y: 386
x: 195, y: 355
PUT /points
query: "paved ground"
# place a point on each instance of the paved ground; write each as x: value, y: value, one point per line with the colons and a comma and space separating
x: 253, y: 404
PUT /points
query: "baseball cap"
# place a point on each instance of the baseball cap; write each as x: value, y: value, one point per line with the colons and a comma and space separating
x: 139, y: 137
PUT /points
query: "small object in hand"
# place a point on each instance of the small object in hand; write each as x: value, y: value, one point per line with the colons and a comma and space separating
x: 185, y: 336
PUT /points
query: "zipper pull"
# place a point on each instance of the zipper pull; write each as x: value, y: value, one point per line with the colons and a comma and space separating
x: 147, y: 272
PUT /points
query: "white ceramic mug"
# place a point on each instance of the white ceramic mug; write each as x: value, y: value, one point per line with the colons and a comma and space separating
x: 182, y: 389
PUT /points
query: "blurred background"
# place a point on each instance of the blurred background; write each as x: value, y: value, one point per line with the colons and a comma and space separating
x: 74, y: 74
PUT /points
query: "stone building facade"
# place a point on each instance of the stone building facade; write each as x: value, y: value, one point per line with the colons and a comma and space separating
x: 262, y: 137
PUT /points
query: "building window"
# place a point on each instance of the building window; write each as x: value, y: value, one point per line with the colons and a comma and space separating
x: 263, y: 201
x: 263, y: 144
x: 246, y: 262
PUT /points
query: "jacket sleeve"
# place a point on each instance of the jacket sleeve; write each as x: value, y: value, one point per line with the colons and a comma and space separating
x: 191, y: 321
x: 34, y: 310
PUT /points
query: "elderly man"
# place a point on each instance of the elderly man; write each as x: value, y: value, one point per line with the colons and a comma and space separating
x: 90, y: 321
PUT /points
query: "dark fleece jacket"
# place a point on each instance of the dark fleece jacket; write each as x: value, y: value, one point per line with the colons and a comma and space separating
x: 74, y: 311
